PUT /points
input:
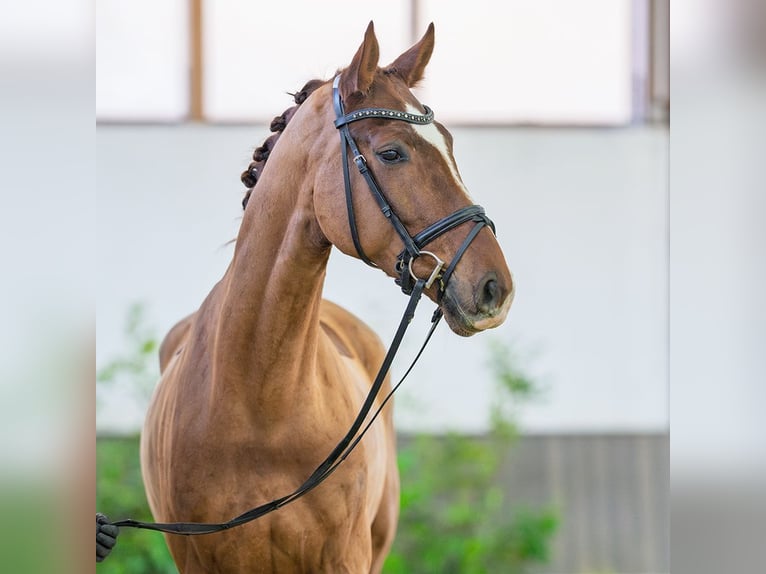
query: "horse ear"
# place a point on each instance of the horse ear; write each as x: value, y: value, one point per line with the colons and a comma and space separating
x: 357, y: 78
x: 411, y: 65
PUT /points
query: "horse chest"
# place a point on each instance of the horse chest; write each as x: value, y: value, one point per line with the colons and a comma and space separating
x: 328, y: 530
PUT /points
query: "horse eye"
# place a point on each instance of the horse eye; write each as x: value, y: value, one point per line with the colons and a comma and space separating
x: 390, y: 156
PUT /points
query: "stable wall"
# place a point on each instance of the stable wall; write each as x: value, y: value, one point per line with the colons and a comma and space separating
x: 581, y: 215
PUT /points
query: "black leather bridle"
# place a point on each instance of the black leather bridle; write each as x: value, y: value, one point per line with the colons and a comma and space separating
x: 410, y: 284
x: 413, y: 245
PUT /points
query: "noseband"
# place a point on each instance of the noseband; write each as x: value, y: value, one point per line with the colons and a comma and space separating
x: 410, y: 284
x: 413, y: 246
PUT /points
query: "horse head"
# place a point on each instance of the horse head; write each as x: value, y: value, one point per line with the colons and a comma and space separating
x: 394, y: 144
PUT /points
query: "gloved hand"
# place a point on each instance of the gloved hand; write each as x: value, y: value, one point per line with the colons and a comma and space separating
x: 106, y: 537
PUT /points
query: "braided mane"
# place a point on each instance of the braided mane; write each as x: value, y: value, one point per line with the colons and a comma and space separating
x: 250, y: 176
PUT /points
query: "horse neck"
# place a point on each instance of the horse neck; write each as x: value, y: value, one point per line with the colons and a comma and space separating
x: 267, y: 335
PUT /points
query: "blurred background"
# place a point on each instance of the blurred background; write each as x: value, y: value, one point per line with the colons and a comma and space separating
x: 559, y: 111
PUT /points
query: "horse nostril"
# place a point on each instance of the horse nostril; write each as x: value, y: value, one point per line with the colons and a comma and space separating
x: 489, y: 298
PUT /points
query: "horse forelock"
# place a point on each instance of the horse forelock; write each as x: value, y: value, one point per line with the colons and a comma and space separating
x: 250, y: 176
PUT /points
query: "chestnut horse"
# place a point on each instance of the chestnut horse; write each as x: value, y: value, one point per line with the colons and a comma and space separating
x: 261, y: 382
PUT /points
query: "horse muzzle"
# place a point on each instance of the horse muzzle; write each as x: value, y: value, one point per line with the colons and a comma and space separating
x: 485, y: 306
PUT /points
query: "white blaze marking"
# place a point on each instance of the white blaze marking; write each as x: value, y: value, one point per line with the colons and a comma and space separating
x: 432, y: 135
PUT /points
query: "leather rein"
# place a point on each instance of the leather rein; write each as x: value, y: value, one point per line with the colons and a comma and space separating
x: 409, y: 283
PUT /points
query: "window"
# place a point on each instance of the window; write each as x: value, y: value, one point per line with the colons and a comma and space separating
x: 551, y: 62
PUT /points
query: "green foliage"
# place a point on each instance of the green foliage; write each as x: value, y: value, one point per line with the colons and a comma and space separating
x: 119, y: 487
x: 135, y: 372
x: 31, y: 516
x: 454, y: 516
x: 120, y: 494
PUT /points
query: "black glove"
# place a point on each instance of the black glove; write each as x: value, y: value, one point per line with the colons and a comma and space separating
x: 106, y: 537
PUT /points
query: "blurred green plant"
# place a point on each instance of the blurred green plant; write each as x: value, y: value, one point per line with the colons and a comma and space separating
x: 120, y: 494
x: 454, y: 517
x: 119, y: 486
x: 135, y: 371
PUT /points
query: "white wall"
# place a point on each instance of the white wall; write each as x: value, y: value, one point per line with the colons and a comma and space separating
x: 581, y: 216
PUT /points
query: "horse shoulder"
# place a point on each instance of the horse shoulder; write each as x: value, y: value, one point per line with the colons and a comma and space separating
x: 352, y: 336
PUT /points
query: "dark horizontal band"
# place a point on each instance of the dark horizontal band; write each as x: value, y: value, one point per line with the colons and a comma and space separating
x: 469, y: 213
x: 386, y: 114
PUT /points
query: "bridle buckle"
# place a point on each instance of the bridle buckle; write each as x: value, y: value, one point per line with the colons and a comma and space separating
x: 360, y: 161
x: 434, y: 274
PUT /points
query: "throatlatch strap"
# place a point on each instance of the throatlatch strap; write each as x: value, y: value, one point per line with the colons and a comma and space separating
x: 345, y: 138
x: 347, y: 143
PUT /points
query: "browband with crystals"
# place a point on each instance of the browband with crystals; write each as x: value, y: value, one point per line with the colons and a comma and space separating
x: 386, y: 114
